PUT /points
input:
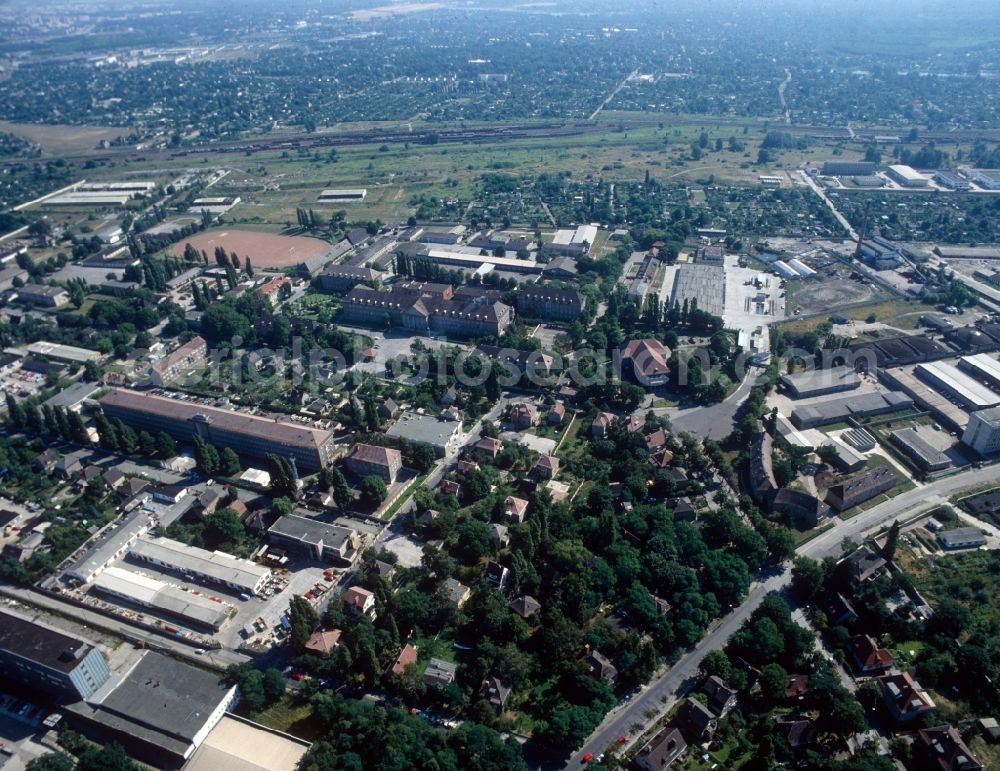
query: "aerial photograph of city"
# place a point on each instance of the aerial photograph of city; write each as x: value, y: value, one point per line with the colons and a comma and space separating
x: 500, y: 385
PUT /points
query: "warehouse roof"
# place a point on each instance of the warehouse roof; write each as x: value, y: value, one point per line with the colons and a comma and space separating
x: 817, y: 379
x: 918, y: 447
x: 213, y: 564
x: 311, y: 531
x: 236, y: 744
x: 967, y: 389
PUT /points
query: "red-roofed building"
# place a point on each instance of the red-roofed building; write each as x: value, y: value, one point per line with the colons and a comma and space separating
x: 323, y: 641
x: 406, y: 657
x: 369, y: 459
x: 904, y: 697
x: 360, y: 600
x: 645, y: 361
x: 868, y: 657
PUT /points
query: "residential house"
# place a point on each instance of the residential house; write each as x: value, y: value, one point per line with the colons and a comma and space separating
x: 868, y: 658
x: 359, y: 600
x: 525, y: 606
x: 656, y: 441
x: 523, y: 415
x: 388, y: 409
x: 46, y: 461
x: 904, y: 698
x: 457, y: 592
x: 942, y: 748
x: 721, y: 698
x: 113, y: 478
x: 490, y: 446
x: 494, y: 691
x: 661, y: 751
x: 696, y: 721
x: 547, y: 467
x: 600, y: 667
x: 380, y: 569
x: 439, y: 673
x: 67, y: 466
x: 450, y: 487
x: 797, y: 732
x: 322, y: 641
x: 556, y: 414
x: 406, y: 657
x: 663, y: 607
x: 516, y: 508
x: 465, y: 466
x: 209, y: 500
x: 500, y: 533
x: 600, y: 425
x: 839, y: 610
x: 798, y: 685
x: 863, y: 564
x: 497, y: 574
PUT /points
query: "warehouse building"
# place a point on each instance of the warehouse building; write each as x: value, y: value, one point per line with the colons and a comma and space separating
x: 214, y: 567
x: 956, y: 384
x: 968, y: 252
x: 982, y: 367
x: 988, y: 179
x: 160, y: 711
x: 253, y: 435
x: 819, y: 382
x: 237, y: 744
x: 983, y: 431
x: 186, y: 607
x: 847, y: 168
x: 801, y: 268
x: 473, y: 260
x: 39, y: 294
x: 905, y: 176
x: 109, y: 546
x: 343, y: 194
x: 42, y: 658
x: 315, y: 540
x: 59, y: 352
x: 926, y: 455
x: 574, y: 243
x: 962, y: 538
x: 856, y: 406
x: 862, y: 487
x: 784, y: 270
x: 847, y: 459
x: 951, y: 180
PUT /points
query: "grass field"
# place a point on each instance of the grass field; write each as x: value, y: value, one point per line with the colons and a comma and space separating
x: 58, y: 140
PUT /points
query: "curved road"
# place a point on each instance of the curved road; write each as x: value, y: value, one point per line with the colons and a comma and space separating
x: 714, y: 421
x: 664, y: 691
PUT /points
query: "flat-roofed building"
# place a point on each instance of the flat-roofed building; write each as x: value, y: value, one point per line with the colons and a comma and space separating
x: 252, y: 435
x: 847, y: 168
x: 9, y: 275
x: 108, y: 546
x: 161, y: 710
x: 856, y: 405
x: 927, y: 456
x: 215, y: 567
x: 238, y: 744
x: 983, y: 432
x: 39, y: 294
x: 343, y: 194
x: 178, y: 362
x: 819, y: 382
x: 313, y: 539
x: 574, y: 242
x: 60, y: 352
x: 956, y: 384
x: 951, y: 180
x: 440, y: 433
x: 906, y: 176
x: 42, y: 658
x: 982, y: 367
x: 955, y: 252
x: 189, y: 608
x: 962, y: 538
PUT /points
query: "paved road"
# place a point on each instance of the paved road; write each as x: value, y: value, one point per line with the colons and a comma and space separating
x: 712, y: 422
x: 664, y: 691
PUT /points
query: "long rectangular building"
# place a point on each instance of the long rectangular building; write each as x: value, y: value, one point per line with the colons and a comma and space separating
x: 982, y: 366
x: 920, y: 450
x: 44, y: 659
x: 952, y: 381
x: 820, y: 382
x: 215, y: 567
x: 186, y: 607
x: 252, y: 435
x: 177, y: 362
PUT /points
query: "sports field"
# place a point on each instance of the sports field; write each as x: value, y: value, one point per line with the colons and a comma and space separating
x: 265, y: 250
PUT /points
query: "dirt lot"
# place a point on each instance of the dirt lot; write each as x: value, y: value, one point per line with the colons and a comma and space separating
x: 830, y: 294
x: 63, y: 139
x: 265, y: 250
